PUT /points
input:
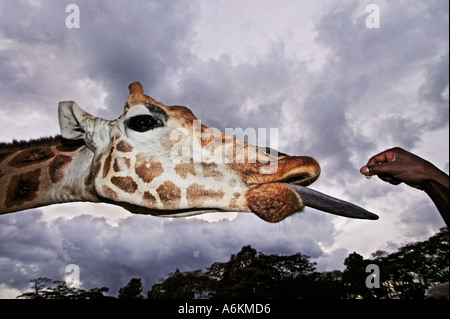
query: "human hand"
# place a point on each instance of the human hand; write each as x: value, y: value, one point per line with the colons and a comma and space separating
x: 396, y: 165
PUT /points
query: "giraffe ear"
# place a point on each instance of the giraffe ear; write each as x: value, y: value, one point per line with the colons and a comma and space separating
x: 76, y: 124
x: 73, y: 121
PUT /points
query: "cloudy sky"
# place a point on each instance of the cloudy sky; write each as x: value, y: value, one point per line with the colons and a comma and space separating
x: 334, y: 88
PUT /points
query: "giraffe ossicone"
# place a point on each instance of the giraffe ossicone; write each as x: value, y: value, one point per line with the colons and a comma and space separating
x: 151, y: 160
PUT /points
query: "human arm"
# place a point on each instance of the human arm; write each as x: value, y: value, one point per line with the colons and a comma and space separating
x: 397, y: 165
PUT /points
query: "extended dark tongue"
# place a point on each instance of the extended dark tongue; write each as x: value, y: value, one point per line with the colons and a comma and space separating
x: 326, y: 203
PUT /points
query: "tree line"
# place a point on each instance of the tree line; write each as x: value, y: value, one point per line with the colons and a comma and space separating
x: 404, y: 274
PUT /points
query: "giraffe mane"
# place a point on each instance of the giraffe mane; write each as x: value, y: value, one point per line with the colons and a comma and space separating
x: 16, y: 145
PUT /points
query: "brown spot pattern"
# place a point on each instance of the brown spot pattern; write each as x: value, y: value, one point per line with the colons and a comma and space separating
x: 169, y: 194
x: 124, y: 147
x: 111, y: 194
x: 196, y: 194
x: 56, y: 167
x: 184, y: 169
x: 22, y: 188
x: 233, y: 202
x: 93, y: 173
x: 209, y: 170
x: 107, y: 165
x: 121, y: 163
x: 125, y: 183
x: 148, y: 200
x: 147, y: 174
x: 31, y: 157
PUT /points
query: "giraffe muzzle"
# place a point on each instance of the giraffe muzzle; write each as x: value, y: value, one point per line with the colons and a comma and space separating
x: 314, y: 199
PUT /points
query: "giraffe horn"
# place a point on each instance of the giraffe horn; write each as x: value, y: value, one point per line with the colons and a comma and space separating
x: 326, y: 203
x: 137, y: 96
x: 136, y: 88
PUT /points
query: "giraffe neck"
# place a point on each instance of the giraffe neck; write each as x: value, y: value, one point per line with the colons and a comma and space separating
x: 44, y: 172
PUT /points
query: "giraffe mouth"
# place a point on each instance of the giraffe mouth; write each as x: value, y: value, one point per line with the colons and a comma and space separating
x: 299, y: 179
x: 314, y: 199
x: 275, y: 201
x: 285, y: 193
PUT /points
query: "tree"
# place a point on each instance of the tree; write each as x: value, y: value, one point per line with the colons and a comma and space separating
x: 404, y: 274
x: 415, y: 267
x: 46, y: 288
x: 354, y: 276
x: 183, y: 285
x: 243, y: 276
x: 247, y: 274
x: 40, y: 289
x: 132, y: 290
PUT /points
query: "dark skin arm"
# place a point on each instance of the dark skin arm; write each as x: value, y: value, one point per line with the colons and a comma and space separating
x: 397, y: 165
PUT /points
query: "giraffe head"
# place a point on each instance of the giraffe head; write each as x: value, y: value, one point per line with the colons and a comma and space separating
x: 160, y: 160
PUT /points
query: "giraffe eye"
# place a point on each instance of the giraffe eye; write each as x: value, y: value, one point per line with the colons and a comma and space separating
x: 143, y: 123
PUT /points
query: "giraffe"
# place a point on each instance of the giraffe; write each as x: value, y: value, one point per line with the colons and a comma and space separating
x: 147, y: 161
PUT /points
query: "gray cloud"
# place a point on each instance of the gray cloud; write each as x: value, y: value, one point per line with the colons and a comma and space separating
x: 217, y: 87
x: 133, y: 41
x: 143, y: 246
x: 434, y: 93
x: 365, y: 64
x: 115, y: 45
